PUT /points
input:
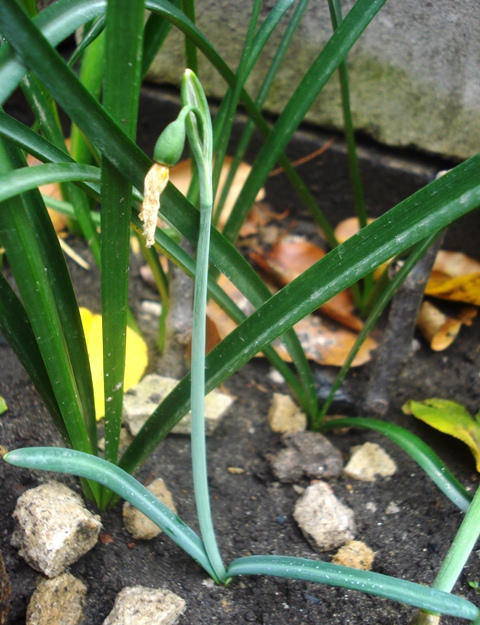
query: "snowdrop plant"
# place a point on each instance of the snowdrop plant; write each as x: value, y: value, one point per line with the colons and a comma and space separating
x: 43, y: 324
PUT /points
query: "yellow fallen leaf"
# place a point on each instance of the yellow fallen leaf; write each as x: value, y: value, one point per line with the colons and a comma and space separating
x: 451, y: 418
x: 458, y: 289
x: 136, y: 357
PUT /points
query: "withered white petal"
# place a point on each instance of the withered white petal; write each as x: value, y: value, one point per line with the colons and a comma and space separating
x: 155, y: 182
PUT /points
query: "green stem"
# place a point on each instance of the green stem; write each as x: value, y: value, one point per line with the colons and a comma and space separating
x: 201, y: 147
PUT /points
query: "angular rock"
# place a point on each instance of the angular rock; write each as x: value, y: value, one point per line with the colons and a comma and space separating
x: 306, y: 453
x: 137, y: 605
x: 325, y: 521
x: 58, y: 601
x: 139, y: 525
x: 53, y: 528
x: 368, y: 462
x: 356, y: 555
x: 285, y: 416
x: 141, y: 401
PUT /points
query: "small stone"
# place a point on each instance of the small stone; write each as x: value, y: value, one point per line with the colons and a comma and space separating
x: 235, y: 470
x: 285, y: 416
x: 53, y: 528
x: 392, y: 508
x: 368, y: 462
x: 306, y: 453
x: 137, y: 605
x: 275, y: 376
x: 59, y: 600
x: 143, y: 399
x: 325, y: 521
x: 139, y: 525
x: 356, y: 555
x: 150, y: 307
x: 371, y: 506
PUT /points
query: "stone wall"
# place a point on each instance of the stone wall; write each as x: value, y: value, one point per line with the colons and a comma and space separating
x: 415, y: 73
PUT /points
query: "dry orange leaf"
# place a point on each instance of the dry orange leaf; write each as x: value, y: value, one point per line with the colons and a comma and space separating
x: 181, y: 175
x: 439, y: 329
x: 287, y: 259
x: 323, y: 341
x: 455, y: 277
x: 52, y: 190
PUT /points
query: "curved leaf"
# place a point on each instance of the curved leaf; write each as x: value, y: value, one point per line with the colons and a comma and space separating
x: 364, y: 581
x: 419, y: 451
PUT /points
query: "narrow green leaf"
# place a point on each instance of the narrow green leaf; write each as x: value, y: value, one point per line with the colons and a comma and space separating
x: 364, y: 581
x: 89, y: 38
x: 20, y: 180
x: 123, y: 46
x: 156, y: 31
x: 419, y: 451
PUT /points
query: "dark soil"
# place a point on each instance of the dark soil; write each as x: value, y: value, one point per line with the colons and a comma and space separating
x: 253, y: 513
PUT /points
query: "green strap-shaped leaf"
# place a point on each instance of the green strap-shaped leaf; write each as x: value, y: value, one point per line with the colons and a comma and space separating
x: 370, y: 583
x: 418, y: 451
x: 123, y: 65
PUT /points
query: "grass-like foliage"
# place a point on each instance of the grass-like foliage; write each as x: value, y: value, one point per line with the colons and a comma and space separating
x: 105, y: 165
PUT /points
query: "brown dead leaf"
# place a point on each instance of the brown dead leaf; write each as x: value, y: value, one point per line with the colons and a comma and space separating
x: 59, y: 220
x: 181, y: 175
x: 287, y: 259
x: 323, y: 341
x: 439, y: 329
